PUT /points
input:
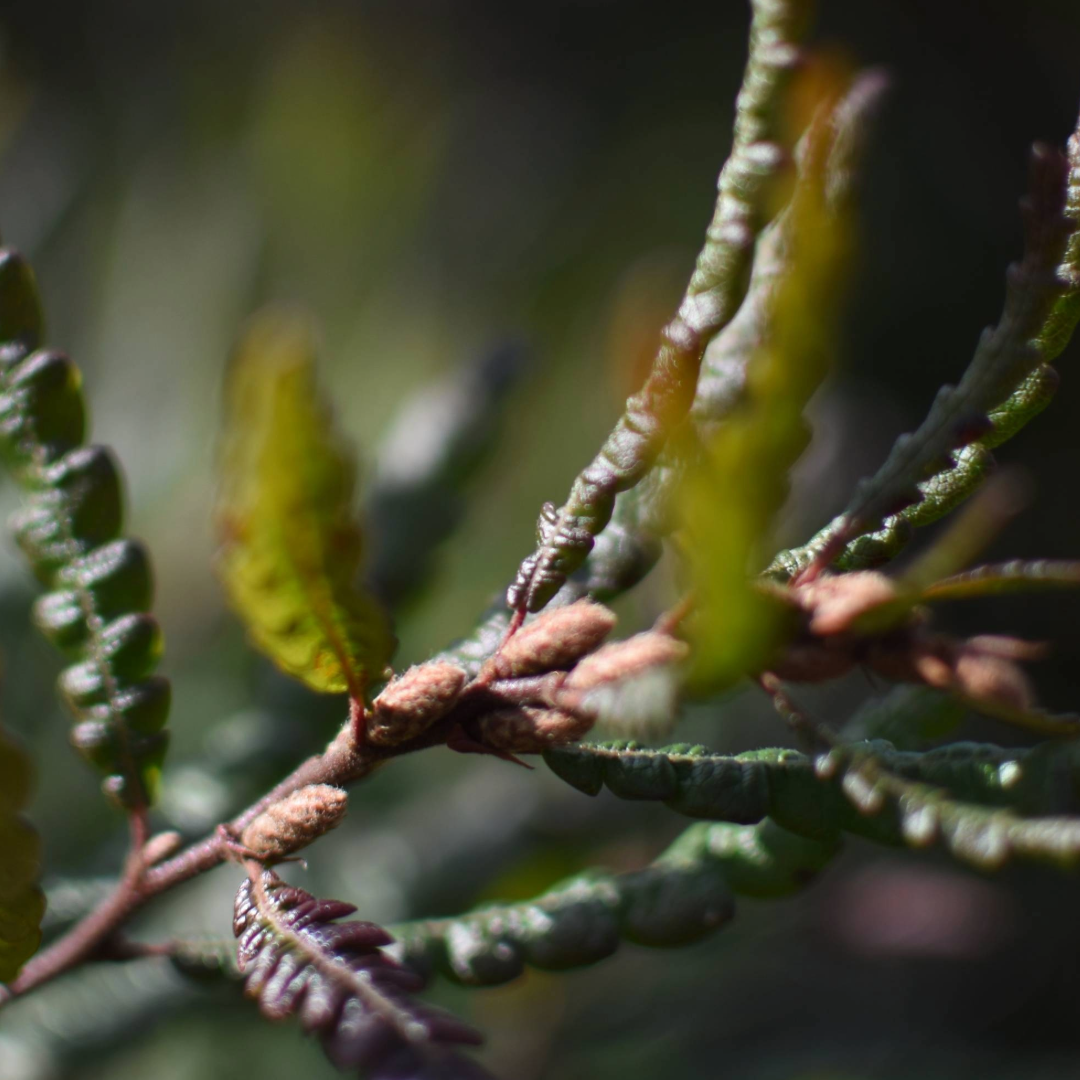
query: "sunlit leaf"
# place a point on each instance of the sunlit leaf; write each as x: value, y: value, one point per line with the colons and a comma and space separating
x: 22, y: 904
x: 1017, y: 576
x: 730, y: 498
x: 982, y: 804
x: 290, y: 544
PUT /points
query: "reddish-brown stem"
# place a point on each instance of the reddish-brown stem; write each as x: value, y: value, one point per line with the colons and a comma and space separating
x: 121, y: 949
x: 812, y: 732
x: 342, y: 763
x: 84, y: 939
x: 356, y: 718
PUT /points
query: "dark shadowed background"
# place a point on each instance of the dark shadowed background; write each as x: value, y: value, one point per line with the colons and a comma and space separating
x: 434, y: 179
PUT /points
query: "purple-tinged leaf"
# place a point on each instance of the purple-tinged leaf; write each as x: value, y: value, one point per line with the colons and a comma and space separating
x: 297, y: 961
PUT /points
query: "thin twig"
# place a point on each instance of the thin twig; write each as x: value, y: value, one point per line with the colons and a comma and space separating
x: 341, y: 764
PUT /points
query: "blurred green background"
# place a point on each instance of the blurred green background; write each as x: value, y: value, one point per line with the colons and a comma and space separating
x: 433, y: 179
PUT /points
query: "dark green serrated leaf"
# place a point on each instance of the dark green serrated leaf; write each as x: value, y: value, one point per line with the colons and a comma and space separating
x: 984, y: 804
x: 69, y: 527
x: 1008, y: 381
x: 680, y: 898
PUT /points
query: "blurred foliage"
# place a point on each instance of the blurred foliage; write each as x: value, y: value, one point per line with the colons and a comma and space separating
x: 428, y: 177
x: 731, y: 495
x: 290, y: 543
x: 22, y: 903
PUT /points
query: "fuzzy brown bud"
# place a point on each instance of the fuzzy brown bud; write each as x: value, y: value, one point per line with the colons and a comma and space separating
x: 552, y: 641
x: 992, y: 680
x: 622, y: 659
x: 295, y: 821
x: 1007, y: 648
x: 812, y: 663
x: 934, y: 667
x: 836, y: 602
x: 528, y: 730
x: 161, y: 847
x: 413, y: 702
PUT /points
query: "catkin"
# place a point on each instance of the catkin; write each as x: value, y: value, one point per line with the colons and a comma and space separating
x: 413, y: 702
x: 295, y: 821
x: 527, y: 730
x: 622, y: 659
x: 554, y: 640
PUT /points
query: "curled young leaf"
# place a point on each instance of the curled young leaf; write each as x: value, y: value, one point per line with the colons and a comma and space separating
x: 631, y: 686
x: 554, y: 639
x: 290, y: 545
x: 297, y: 960
x: 22, y: 903
x: 760, y: 157
x: 69, y: 528
x: 528, y: 730
x: 983, y: 804
x: 681, y: 897
x: 1008, y: 381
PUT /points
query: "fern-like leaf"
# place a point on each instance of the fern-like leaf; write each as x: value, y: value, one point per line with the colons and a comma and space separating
x: 290, y: 546
x: 758, y: 158
x: 22, y: 903
x: 1008, y: 381
x: 69, y: 528
x: 680, y: 898
x: 297, y: 960
x: 973, y: 799
x: 631, y: 543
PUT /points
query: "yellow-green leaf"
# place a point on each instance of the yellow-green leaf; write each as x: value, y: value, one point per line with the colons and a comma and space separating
x: 290, y: 543
x: 731, y: 494
x: 22, y: 903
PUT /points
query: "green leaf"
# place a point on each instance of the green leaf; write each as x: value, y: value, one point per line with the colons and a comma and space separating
x: 983, y: 804
x: 1017, y: 576
x: 1008, y: 382
x: 290, y: 544
x: 69, y: 528
x: 728, y: 500
x: 22, y: 903
x: 746, y: 201
x: 681, y: 897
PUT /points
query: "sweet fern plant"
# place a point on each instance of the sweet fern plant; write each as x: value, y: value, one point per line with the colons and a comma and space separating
x: 695, y: 472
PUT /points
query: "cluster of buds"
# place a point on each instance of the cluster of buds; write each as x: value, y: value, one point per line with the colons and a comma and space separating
x: 865, y: 618
x: 534, y: 692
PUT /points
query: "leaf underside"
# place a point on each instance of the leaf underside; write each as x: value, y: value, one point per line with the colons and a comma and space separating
x: 334, y: 978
